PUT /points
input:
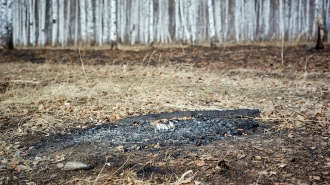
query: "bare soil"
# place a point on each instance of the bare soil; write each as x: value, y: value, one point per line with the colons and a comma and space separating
x: 48, y: 94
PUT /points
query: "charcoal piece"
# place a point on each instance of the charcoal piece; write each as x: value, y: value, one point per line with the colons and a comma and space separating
x: 238, y: 113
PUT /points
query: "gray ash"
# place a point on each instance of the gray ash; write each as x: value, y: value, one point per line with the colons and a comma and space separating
x: 198, y: 131
x: 201, y: 129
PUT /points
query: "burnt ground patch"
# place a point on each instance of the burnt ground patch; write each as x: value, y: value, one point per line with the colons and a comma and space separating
x: 151, y: 135
x: 200, y: 129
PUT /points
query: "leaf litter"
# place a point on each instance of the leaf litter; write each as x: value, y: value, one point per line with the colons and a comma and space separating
x: 294, y: 147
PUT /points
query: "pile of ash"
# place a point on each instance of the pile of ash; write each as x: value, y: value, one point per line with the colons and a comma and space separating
x: 136, y: 133
x: 199, y: 129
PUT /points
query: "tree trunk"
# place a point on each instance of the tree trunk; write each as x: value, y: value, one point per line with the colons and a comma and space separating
x: 225, y: 34
x: 98, y: 23
x: 67, y: 24
x: 42, y: 24
x: 218, y: 20
x: 151, y: 22
x: 113, y: 24
x: 237, y: 20
x: 105, y: 21
x: 32, y: 23
x: 83, y: 24
x: 90, y: 22
x: 211, y: 23
x: 178, y: 25
x: 37, y: 22
x: 192, y: 21
x: 184, y: 22
x: 23, y: 29
x: 55, y: 22
x: 134, y: 20
x: 281, y: 23
x: 61, y: 22
x: 76, y: 23
x: 320, y: 34
x: 266, y: 10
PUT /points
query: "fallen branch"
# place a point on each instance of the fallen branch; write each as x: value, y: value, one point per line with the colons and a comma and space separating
x: 307, y: 62
x: 25, y: 81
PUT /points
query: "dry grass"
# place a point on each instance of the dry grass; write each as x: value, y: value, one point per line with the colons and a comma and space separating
x: 64, y: 98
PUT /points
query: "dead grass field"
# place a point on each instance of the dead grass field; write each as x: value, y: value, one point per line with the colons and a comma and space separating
x: 51, y: 97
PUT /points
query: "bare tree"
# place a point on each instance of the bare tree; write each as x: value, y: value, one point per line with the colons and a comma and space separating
x: 145, y: 22
x: 41, y: 22
x: 320, y: 34
x: 55, y: 22
x: 218, y: 20
x: 76, y: 13
x: 211, y: 23
x: 98, y: 22
x: 90, y: 21
x: 32, y: 22
x: 151, y: 22
x: 113, y: 24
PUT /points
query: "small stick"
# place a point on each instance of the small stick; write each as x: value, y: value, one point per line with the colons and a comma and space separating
x: 98, y: 175
x: 122, y: 166
x: 82, y: 64
x: 307, y: 61
x: 24, y: 81
x: 144, y: 58
x: 151, y: 56
x: 182, y: 49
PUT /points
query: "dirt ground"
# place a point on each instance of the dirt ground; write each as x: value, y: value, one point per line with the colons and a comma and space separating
x: 47, y: 94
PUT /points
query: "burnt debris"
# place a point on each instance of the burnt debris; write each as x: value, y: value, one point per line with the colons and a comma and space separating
x: 178, y: 129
